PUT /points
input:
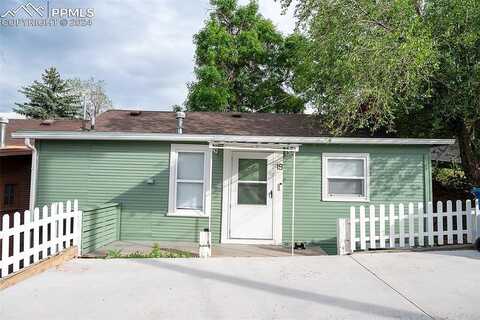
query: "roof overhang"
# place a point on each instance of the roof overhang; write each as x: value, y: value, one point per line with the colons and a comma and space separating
x: 133, y: 136
x: 14, y: 151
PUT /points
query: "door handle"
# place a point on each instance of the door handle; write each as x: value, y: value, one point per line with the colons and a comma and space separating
x: 270, y: 194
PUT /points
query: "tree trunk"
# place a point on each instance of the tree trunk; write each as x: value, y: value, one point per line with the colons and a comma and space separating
x: 469, y: 156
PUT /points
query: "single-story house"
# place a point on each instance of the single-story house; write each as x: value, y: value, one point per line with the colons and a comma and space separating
x: 250, y: 178
x: 16, y: 161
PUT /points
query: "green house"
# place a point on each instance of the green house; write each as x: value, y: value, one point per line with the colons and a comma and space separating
x: 249, y: 178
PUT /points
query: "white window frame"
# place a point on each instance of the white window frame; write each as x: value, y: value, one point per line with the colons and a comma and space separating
x: 172, y: 199
x: 348, y: 156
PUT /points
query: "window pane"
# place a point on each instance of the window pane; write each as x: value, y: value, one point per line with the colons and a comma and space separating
x: 252, y: 193
x: 190, y: 166
x: 189, y: 195
x: 9, y: 195
x: 345, y: 187
x: 345, y: 168
x: 252, y: 169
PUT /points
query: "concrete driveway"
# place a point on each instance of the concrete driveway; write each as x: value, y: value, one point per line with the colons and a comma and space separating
x: 364, y: 286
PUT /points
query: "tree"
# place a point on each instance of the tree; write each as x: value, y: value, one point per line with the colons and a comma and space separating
x: 92, y: 94
x: 242, y: 63
x: 51, y: 98
x: 406, y: 66
x: 176, y: 108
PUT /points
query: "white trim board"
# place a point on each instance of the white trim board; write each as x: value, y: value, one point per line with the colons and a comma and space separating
x: 207, y: 181
x: 133, y: 136
x: 366, y: 179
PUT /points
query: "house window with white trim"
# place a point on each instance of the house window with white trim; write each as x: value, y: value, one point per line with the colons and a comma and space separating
x: 189, y: 193
x: 345, y: 176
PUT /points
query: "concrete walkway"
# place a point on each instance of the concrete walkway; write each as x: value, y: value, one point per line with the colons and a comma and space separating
x: 364, y: 286
x: 218, y: 250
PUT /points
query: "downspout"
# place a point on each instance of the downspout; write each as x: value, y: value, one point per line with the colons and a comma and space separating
x: 293, y: 206
x: 33, y: 174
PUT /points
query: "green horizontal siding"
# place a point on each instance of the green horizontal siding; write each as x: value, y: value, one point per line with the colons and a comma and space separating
x: 97, y: 172
x: 100, y: 226
x: 397, y: 174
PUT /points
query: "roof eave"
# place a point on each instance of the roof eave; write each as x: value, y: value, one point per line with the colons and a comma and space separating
x: 132, y: 136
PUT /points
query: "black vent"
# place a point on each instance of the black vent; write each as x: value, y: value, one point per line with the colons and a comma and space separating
x: 135, y: 113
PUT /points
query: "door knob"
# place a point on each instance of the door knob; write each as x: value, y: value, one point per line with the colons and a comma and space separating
x: 270, y: 194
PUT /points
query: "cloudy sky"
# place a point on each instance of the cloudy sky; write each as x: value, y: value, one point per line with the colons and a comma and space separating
x: 142, y: 49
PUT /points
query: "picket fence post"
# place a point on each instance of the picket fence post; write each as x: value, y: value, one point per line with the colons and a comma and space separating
x: 421, y: 225
x: 342, y: 236
x: 391, y: 221
x: 353, y: 230
x: 469, y: 221
x: 382, y: 226
x: 449, y: 222
x: 372, y: 234
x: 477, y: 220
x: 363, y: 244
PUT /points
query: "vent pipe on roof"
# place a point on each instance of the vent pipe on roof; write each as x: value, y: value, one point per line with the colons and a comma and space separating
x: 3, y: 132
x: 180, y: 116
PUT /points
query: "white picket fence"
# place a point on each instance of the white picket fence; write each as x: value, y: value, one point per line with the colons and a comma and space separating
x: 400, y: 226
x: 43, y: 233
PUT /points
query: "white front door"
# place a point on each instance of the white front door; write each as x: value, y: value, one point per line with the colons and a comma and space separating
x: 251, y: 198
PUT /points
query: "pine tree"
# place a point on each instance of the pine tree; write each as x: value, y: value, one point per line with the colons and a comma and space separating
x: 52, y: 98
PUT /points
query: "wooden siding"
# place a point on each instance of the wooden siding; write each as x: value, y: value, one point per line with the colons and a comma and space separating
x: 397, y: 174
x: 100, y: 226
x: 99, y: 172
x: 104, y: 171
x: 15, y: 170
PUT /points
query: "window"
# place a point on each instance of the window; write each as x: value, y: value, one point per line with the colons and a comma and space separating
x: 189, y: 180
x: 345, y: 176
x: 252, y: 181
x: 9, y: 195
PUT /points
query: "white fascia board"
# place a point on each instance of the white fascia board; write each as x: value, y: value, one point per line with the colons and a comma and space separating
x: 128, y: 136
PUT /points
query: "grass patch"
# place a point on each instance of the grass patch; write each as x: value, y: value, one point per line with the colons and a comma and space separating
x: 156, y: 252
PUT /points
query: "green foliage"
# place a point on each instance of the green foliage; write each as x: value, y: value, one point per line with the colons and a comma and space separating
x: 406, y: 66
x: 176, y: 108
x: 114, y: 253
x: 242, y: 63
x: 51, y: 98
x: 156, y: 252
x: 451, y: 177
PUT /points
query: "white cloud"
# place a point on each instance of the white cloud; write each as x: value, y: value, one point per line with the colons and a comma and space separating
x: 273, y: 10
x: 143, y: 50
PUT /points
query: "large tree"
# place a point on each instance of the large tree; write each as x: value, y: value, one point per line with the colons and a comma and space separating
x: 92, y: 94
x: 242, y: 63
x: 402, y: 65
x: 51, y: 98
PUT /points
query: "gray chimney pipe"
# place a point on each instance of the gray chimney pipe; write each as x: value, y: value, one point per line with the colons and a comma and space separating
x: 3, y: 132
x: 180, y: 116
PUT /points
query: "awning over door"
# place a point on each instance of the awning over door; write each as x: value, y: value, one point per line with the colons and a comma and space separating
x: 270, y: 147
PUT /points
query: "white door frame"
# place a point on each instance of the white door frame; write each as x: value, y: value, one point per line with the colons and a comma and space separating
x: 276, y: 204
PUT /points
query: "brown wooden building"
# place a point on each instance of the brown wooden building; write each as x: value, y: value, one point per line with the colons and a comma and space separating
x: 16, y: 160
